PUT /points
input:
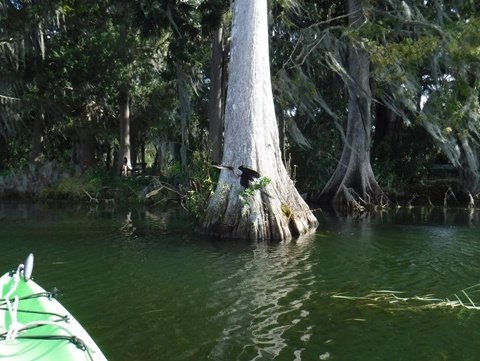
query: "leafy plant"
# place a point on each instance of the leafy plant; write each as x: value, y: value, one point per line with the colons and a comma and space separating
x: 247, y: 194
x: 202, y: 184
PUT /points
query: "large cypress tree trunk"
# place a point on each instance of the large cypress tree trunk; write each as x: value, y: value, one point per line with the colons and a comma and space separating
x: 276, y: 212
x: 353, y: 181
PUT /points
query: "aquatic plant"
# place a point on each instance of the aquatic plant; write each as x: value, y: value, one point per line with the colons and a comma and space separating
x: 462, y: 299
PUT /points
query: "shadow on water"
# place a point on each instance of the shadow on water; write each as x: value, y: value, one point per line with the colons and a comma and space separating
x: 147, y: 288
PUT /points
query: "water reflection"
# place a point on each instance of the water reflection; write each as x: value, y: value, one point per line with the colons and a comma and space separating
x: 152, y: 289
x: 440, y: 216
x: 269, y: 294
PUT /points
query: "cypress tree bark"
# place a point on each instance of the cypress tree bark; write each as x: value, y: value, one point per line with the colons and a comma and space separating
x: 277, y: 211
x: 353, y: 181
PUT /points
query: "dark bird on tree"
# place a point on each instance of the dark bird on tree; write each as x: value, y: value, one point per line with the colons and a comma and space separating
x: 248, y: 176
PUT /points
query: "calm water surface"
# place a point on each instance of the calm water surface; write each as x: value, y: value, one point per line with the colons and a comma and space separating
x: 151, y: 289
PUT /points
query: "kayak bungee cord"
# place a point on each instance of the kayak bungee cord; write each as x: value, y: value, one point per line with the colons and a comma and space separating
x: 61, y: 318
x: 78, y: 342
x: 13, y: 334
x: 34, y: 324
x: 49, y: 295
x: 16, y: 327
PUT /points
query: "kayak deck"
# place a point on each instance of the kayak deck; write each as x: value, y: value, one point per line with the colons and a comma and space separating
x: 38, y: 327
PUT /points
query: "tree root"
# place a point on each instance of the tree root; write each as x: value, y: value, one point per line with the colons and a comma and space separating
x: 449, y: 193
x: 166, y: 186
x: 358, y: 204
x: 97, y: 200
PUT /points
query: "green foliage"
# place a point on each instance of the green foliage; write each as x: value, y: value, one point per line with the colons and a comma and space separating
x: 433, y: 52
x: 247, y: 194
x: 174, y: 173
x: 385, y: 174
x: 17, y: 155
x: 202, y: 184
x: 97, y: 185
x: 78, y: 186
x: 400, y: 62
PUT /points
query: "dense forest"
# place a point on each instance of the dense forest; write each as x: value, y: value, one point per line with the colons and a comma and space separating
x: 376, y: 101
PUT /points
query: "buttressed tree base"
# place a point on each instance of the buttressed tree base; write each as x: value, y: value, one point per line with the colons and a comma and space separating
x: 269, y: 207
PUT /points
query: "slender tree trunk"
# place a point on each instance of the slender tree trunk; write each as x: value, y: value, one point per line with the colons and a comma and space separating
x: 275, y: 212
x: 281, y: 133
x: 387, y: 131
x: 353, y: 181
x: 185, y: 111
x: 108, y: 157
x: 216, y: 106
x: 39, y: 112
x: 124, y: 151
x: 4, y: 153
x: 124, y: 94
x: 87, y: 156
x: 38, y: 136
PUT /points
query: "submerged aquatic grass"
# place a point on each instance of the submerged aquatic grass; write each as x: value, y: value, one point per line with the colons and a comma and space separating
x: 459, y: 299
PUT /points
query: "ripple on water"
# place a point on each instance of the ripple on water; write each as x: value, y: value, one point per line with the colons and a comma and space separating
x: 153, y: 294
x: 269, y: 293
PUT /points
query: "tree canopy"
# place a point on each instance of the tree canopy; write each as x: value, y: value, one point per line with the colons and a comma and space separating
x: 64, y: 66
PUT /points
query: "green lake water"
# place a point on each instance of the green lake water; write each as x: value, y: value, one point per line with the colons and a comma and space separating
x: 146, y: 287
